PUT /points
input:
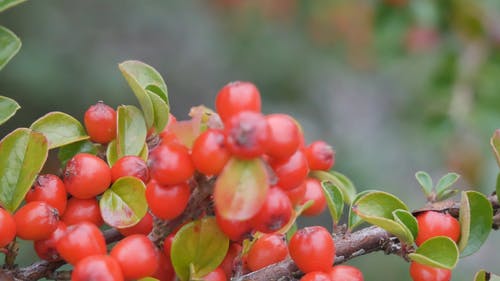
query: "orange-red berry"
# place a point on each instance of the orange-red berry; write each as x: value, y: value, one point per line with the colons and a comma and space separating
x: 100, y: 122
x: 86, y: 176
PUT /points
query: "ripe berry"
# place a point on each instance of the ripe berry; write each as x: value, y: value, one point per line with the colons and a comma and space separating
x: 235, y: 230
x: 46, y: 249
x: 216, y: 275
x: 86, y: 176
x: 165, y: 271
x: 236, y: 97
x: 247, y: 134
x: 209, y: 152
x: 317, y: 276
x: 167, y: 244
x: 7, y: 228
x: 320, y: 156
x: 170, y: 164
x: 284, y: 136
x: 167, y: 202
x: 49, y: 189
x: 432, y: 224
x: 274, y: 213
x: 97, y: 268
x: 36, y: 221
x: 267, y: 250
x: 80, y: 241
x: 291, y: 172
x: 420, y: 272
x: 80, y: 210
x: 228, y: 263
x: 100, y: 122
x: 312, y: 249
x: 315, y: 193
x: 130, y: 166
x: 346, y: 273
x: 296, y: 194
x: 144, y: 226
x: 136, y: 255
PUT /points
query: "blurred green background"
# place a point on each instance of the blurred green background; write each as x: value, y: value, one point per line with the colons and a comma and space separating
x: 396, y: 86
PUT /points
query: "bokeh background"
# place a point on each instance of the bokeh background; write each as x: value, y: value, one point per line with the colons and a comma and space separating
x: 396, y: 86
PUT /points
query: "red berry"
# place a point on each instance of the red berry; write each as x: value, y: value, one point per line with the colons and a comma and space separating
x: 86, y: 176
x: 312, y: 249
x: 80, y: 210
x: 291, y: 172
x: 236, y: 97
x: 420, y: 272
x: 284, y: 136
x: 317, y: 276
x: 167, y: 244
x: 136, y: 255
x: 167, y: 202
x: 235, y: 230
x: 97, y: 268
x: 274, y: 213
x: 296, y: 194
x: 432, y: 224
x: 144, y: 226
x: 165, y: 271
x: 80, y: 241
x: 216, y: 275
x: 228, y: 263
x: 130, y: 166
x: 247, y: 134
x: 209, y: 152
x: 46, y: 249
x: 49, y: 189
x: 36, y: 221
x: 315, y: 193
x: 267, y: 250
x: 100, y: 122
x: 346, y: 273
x: 170, y: 164
x: 7, y: 228
x: 320, y: 156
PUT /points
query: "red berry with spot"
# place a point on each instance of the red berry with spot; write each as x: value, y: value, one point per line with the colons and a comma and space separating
x: 46, y: 249
x: 432, y: 224
x: 100, y: 122
x: 420, y: 272
x: 247, y: 134
x: 167, y: 202
x: 216, y: 275
x: 80, y: 241
x: 291, y: 172
x: 312, y: 249
x: 320, y: 156
x: 236, y: 97
x: 267, y: 250
x: 136, y: 255
x: 346, y: 273
x: 317, y: 276
x: 86, y: 176
x: 171, y: 164
x: 7, y: 228
x: 284, y: 136
x: 275, y: 213
x: 132, y: 166
x: 80, y: 210
x: 235, y: 230
x: 144, y: 226
x: 209, y: 152
x: 97, y: 268
x: 36, y: 221
x: 49, y: 189
x: 313, y: 192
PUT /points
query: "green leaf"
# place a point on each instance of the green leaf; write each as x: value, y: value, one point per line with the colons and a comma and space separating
x: 408, y: 220
x: 67, y: 152
x: 425, y: 181
x: 60, y: 129
x: 445, y: 182
x: 482, y: 275
x: 334, y: 199
x: 22, y: 155
x: 8, y: 108
x: 131, y: 131
x: 354, y: 220
x: 476, y: 218
x: 112, y: 154
x: 241, y: 188
x: 440, y: 251
x: 341, y: 181
x: 291, y: 231
x: 9, y: 44
x: 124, y: 203
x: 161, y: 110
x: 6, y: 4
x: 447, y: 194
x: 495, y: 145
x: 148, y: 279
x: 198, y: 248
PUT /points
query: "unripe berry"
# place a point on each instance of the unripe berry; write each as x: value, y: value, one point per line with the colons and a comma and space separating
x: 100, y: 122
x: 86, y: 176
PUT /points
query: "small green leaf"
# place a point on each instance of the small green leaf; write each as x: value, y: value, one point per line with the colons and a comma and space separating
x: 408, y: 220
x: 495, y: 145
x: 22, y: 155
x: 440, y: 251
x: 241, y: 188
x: 341, y: 181
x: 447, y: 194
x: 198, y: 248
x: 9, y: 44
x: 425, y: 181
x: 60, y: 129
x: 354, y: 220
x: 67, y: 152
x: 161, y: 110
x: 124, y: 203
x: 6, y: 4
x: 482, y: 275
x: 111, y: 153
x: 131, y: 131
x: 445, y: 182
x: 334, y: 199
x: 476, y: 218
x: 291, y: 231
x: 8, y: 108
x: 148, y: 279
